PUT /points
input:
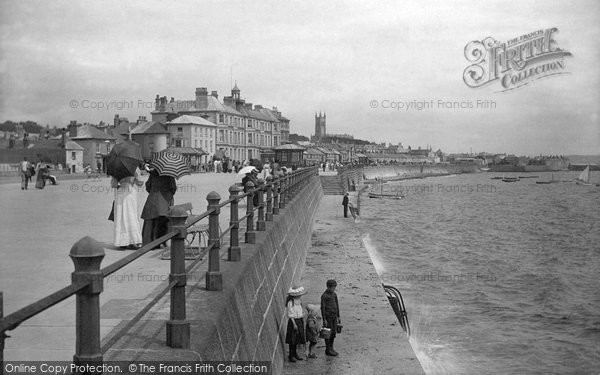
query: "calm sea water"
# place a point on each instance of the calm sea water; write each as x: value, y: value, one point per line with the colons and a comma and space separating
x: 498, y: 278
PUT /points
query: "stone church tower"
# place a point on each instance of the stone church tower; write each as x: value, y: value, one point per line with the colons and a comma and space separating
x: 320, y: 130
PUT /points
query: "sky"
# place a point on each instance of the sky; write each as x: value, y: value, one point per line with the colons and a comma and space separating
x: 61, y: 60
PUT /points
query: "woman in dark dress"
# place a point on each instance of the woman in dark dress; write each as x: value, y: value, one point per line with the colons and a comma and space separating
x: 160, y: 197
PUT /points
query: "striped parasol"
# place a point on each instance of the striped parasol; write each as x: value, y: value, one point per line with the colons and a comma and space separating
x: 171, y: 163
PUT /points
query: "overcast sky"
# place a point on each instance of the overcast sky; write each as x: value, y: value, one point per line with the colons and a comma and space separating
x: 304, y: 57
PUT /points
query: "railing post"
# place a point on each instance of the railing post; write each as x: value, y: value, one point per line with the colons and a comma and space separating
x: 260, y: 222
x: 214, y: 278
x: 87, y: 254
x: 234, y: 252
x: 276, y: 181
x: 269, y: 214
x: 178, y: 328
x: 2, y: 335
x: 250, y: 234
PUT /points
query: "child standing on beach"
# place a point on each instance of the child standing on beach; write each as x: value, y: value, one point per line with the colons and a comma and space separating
x: 295, y: 327
x: 312, y: 328
x: 330, y: 310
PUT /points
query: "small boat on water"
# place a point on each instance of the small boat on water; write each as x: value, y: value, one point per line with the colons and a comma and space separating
x: 552, y: 181
x: 386, y: 195
x: 511, y: 179
x: 584, y: 177
x: 529, y: 176
x: 497, y: 178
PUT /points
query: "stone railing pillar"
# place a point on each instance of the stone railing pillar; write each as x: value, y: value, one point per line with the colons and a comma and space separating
x: 234, y: 252
x: 87, y: 254
x: 250, y: 235
x: 214, y: 278
x: 178, y: 328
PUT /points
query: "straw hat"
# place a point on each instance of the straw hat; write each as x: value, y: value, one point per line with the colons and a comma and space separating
x: 296, y: 291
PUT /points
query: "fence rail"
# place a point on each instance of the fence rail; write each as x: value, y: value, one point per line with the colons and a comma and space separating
x: 87, y: 280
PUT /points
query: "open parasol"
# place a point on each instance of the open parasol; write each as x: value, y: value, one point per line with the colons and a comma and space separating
x: 247, y: 169
x: 171, y: 163
x: 123, y: 159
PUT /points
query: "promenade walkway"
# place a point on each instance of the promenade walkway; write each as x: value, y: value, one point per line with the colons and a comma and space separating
x: 372, y: 341
x: 38, y: 228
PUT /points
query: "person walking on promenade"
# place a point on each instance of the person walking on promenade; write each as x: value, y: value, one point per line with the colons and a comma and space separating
x: 160, y: 197
x: 127, y: 225
x: 312, y: 328
x: 295, y: 333
x: 345, y: 201
x: 24, y: 171
x: 330, y: 311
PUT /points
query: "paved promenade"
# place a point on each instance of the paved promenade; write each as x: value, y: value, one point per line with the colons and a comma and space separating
x: 372, y: 341
x: 38, y: 228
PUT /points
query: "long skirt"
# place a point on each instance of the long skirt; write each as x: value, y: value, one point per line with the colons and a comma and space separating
x: 126, y: 217
x: 154, y: 228
x: 294, y: 337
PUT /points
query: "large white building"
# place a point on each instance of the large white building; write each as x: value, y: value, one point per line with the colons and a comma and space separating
x: 242, y: 131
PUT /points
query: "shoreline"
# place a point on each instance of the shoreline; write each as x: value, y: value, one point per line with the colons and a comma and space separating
x: 372, y: 340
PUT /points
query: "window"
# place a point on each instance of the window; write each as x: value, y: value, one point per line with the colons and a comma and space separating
x: 180, y: 129
x: 179, y: 143
x: 249, y: 138
x: 221, y: 136
x: 73, y: 155
x: 221, y: 118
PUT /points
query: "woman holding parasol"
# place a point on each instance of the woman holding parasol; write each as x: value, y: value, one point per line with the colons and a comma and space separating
x: 123, y: 165
x: 165, y: 167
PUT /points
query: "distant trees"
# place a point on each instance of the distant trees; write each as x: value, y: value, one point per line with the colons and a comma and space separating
x: 28, y: 126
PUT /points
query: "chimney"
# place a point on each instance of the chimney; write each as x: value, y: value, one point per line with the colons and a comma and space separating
x: 214, y: 93
x: 258, y: 107
x: 172, y: 99
x: 201, y: 97
x: 157, y: 102
x: 116, y: 122
x: 63, y: 136
x: 248, y: 106
x: 140, y: 120
x: 73, y: 129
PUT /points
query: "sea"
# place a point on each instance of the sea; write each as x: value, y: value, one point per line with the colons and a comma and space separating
x: 497, y: 278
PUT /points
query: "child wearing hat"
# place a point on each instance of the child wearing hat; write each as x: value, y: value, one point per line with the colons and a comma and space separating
x: 330, y: 311
x: 295, y: 333
x: 312, y: 328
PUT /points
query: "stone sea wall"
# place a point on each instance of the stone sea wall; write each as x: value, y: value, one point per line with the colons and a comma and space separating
x: 250, y: 322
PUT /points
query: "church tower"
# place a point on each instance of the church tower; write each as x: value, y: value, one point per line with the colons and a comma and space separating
x: 320, y: 130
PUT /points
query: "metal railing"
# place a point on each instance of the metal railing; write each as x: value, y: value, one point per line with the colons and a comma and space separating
x: 87, y: 280
x: 395, y: 299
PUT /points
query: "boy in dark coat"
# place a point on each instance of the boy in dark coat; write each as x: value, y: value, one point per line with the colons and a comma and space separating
x: 330, y: 311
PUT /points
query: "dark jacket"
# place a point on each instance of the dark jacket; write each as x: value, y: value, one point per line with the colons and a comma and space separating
x: 345, y: 200
x: 161, y: 190
x: 329, y: 304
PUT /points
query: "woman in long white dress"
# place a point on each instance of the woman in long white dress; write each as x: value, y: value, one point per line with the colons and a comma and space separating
x: 128, y: 233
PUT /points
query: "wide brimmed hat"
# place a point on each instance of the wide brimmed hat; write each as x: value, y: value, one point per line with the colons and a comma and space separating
x: 296, y: 291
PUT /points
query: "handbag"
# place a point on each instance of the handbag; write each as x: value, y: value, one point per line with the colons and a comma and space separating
x: 339, y: 328
x: 325, y: 333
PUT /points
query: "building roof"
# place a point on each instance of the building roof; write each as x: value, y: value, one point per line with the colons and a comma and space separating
x: 190, y: 120
x: 150, y: 127
x: 57, y: 143
x: 290, y: 146
x: 91, y: 132
x: 313, y: 151
x: 188, y: 150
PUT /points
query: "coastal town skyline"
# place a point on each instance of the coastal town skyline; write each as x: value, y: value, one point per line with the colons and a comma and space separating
x: 381, y: 73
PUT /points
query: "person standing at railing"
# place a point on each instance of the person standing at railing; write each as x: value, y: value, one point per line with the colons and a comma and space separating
x: 161, y: 190
x: 24, y: 171
x: 127, y: 224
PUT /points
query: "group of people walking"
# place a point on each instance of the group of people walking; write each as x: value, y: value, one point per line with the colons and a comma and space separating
x: 300, y: 331
x: 42, y: 170
x: 161, y: 191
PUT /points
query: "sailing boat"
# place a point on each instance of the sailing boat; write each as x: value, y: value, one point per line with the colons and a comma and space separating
x: 584, y: 177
